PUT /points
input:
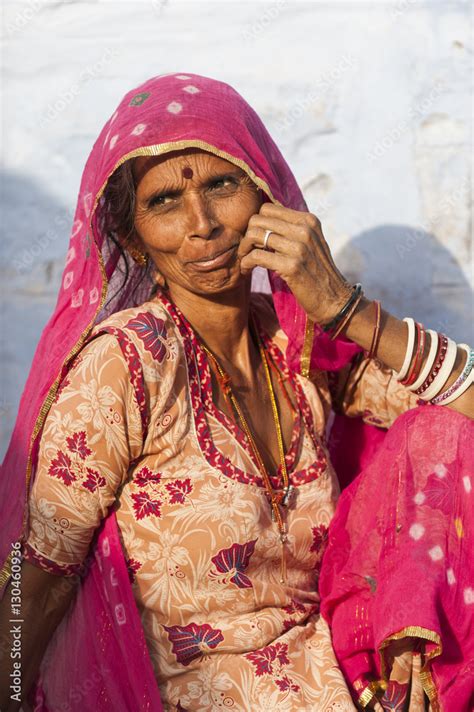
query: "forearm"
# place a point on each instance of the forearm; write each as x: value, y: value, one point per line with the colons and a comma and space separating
x: 26, y: 631
x: 393, y: 344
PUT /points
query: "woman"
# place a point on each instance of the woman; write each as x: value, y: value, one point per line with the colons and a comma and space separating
x: 174, y: 438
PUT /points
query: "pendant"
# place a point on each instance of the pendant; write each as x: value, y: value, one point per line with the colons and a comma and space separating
x: 288, y: 497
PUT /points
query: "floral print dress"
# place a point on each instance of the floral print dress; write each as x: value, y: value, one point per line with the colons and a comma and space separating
x: 134, y: 428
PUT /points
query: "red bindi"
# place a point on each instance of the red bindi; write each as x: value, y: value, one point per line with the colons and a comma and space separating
x: 187, y: 172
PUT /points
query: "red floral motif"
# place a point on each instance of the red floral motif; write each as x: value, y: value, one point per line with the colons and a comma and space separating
x: 146, y: 476
x: 144, y: 506
x: 264, y: 659
x: 235, y: 560
x: 288, y: 624
x: 320, y: 535
x: 178, y: 490
x: 286, y: 685
x: 193, y: 641
x: 94, y: 480
x: 77, y: 444
x: 294, y: 607
x: 132, y: 567
x: 61, y: 467
x: 152, y: 331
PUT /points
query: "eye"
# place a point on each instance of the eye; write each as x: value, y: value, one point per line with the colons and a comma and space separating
x: 157, y: 200
x: 220, y: 183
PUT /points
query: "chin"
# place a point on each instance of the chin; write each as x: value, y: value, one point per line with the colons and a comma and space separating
x: 218, y: 282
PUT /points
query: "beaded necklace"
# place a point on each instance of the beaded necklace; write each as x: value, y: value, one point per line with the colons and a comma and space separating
x: 277, y: 498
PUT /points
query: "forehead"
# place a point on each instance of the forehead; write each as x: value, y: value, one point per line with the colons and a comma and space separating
x: 172, y: 164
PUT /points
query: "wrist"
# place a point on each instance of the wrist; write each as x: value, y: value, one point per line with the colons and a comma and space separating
x: 362, y: 312
x: 339, y: 320
x: 336, y: 303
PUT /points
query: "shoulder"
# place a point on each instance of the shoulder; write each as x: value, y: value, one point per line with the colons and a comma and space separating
x: 152, y: 313
x: 146, y: 332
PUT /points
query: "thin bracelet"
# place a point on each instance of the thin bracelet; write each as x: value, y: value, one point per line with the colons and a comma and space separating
x: 462, y: 383
x: 444, y: 372
x: 376, y: 335
x: 420, y: 345
x: 434, y: 339
x: 334, y: 322
x: 409, y: 352
x: 440, y: 356
x: 347, y: 318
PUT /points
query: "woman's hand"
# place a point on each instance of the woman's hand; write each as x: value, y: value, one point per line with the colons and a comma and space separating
x: 299, y: 254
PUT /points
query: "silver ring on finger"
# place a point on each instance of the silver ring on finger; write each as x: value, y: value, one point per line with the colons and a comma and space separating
x: 265, y: 239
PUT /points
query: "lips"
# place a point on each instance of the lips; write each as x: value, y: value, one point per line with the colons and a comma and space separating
x: 215, y: 261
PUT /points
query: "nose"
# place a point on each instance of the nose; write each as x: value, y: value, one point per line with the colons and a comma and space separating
x: 201, y: 222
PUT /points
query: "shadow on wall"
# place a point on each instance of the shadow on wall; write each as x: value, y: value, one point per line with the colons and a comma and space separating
x: 413, y: 275
x: 36, y: 229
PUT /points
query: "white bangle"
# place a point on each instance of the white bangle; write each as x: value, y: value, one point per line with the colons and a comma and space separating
x: 409, y: 352
x: 429, y: 361
x: 462, y: 383
x: 443, y: 373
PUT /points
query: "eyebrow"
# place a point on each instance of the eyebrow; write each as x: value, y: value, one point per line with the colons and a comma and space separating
x: 176, y: 192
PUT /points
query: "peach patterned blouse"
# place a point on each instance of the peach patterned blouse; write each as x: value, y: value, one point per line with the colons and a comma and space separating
x: 134, y: 428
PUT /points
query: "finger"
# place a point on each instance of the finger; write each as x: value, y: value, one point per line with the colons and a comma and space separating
x: 288, y: 246
x: 300, y: 217
x: 280, y: 211
x: 297, y: 231
x: 255, y: 235
x: 269, y: 260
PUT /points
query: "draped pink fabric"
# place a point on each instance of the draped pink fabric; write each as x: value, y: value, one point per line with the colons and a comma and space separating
x: 401, y: 558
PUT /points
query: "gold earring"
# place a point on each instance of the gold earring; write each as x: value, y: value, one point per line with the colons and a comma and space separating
x: 139, y: 257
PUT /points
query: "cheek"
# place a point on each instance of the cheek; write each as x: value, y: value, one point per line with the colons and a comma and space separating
x: 236, y: 213
x: 161, y: 234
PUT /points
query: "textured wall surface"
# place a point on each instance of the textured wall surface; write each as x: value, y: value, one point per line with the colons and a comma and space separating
x: 368, y: 101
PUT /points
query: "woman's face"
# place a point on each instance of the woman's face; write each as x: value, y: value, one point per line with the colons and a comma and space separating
x: 192, y: 210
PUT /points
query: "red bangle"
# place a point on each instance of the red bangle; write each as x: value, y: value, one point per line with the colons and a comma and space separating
x: 438, y: 362
x: 416, y: 366
x: 376, y: 335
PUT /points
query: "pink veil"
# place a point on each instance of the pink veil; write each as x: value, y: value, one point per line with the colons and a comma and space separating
x: 166, y: 113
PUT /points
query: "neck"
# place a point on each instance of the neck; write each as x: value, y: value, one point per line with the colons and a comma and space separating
x: 221, y: 321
